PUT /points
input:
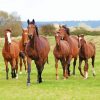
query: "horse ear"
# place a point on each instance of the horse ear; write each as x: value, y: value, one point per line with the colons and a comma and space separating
x: 33, y: 21
x: 28, y: 21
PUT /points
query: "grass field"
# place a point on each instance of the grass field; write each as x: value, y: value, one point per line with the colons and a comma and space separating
x: 74, y: 88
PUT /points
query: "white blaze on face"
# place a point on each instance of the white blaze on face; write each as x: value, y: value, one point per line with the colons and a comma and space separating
x: 8, y: 36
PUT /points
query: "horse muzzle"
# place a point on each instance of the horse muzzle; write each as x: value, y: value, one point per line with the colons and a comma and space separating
x: 25, y: 44
x: 30, y: 36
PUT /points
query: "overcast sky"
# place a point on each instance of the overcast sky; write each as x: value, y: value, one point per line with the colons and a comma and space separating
x: 53, y: 10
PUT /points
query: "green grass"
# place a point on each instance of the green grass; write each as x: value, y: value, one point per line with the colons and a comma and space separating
x: 74, y: 88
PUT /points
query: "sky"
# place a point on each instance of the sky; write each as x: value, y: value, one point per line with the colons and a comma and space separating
x: 53, y: 10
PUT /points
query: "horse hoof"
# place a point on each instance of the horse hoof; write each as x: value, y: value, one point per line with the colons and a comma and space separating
x: 73, y: 73
x: 85, y: 78
x: 28, y: 84
x: 64, y: 78
x: 20, y: 73
x: 57, y: 77
x: 17, y: 76
x: 26, y: 71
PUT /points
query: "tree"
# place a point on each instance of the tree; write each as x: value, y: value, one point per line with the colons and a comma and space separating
x: 11, y: 21
x: 47, y: 29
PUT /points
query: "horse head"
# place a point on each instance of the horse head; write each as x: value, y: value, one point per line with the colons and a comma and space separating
x: 25, y: 36
x: 7, y: 34
x: 57, y: 38
x: 81, y: 40
x: 64, y: 31
x: 32, y: 29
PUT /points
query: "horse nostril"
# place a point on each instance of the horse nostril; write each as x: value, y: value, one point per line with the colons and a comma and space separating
x: 25, y: 44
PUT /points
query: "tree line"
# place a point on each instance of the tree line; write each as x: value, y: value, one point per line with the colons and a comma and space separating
x: 13, y: 22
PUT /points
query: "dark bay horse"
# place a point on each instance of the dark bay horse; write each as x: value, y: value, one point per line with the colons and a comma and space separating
x: 73, y: 43
x: 37, y: 49
x: 22, y: 45
x: 10, y: 54
x: 87, y: 50
x: 61, y: 52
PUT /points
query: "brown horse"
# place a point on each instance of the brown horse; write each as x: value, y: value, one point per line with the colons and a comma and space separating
x: 73, y: 43
x: 61, y: 52
x: 37, y: 49
x: 10, y: 54
x: 87, y: 50
x: 22, y: 45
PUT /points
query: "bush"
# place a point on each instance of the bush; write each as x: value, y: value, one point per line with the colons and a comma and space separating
x: 11, y: 21
x: 47, y: 29
x: 81, y: 30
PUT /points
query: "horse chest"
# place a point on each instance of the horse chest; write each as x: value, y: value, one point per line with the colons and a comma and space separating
x: 32, y: 54
x: 7, y: 55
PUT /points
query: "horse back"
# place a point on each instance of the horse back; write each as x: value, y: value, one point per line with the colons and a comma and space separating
x: 91, y: 49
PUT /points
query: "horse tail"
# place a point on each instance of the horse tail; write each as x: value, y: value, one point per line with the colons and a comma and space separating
x: 22, y: 54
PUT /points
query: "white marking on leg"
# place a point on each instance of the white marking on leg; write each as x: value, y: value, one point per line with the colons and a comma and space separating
x: 86, y: 75
x: 20, y: 72
x: 17, y: 76
x: 93, y: 71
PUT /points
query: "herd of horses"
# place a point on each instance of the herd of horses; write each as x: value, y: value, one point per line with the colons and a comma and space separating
x: 32, y: 46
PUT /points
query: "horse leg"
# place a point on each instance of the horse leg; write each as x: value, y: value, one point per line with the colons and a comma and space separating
x: 65, y: 73
x: 40, y: 69
x: 24, y: 60
x: 86, y: 69
x: 13, y: 64
x: 93, y: 71
x: 17, y: 68
x: 29, y: 70
x: 68, y: 66
x: 80, y: 62
x: 74, y: 64
x: 64, y: 66
x: 7, y: 69
x: 56, y: 66
x: 20, y: 65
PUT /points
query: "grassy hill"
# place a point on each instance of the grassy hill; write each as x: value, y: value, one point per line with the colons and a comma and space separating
x: 74, y: 88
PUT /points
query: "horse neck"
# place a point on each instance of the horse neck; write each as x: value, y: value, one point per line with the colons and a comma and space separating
x: 33, y: 41
x: 58, y: 46
x: 83, y: 49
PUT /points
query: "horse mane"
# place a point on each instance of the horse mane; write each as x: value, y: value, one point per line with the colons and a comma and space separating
x: 37, y: 32
x: 66, y: 29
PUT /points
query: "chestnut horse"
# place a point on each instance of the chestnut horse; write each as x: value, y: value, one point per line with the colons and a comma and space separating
x: 10, y: 54
x: 73, y: 43
x: 61, y: 52
x: 87, y: 50
x: 37, y: 49
x: 22, y: 45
